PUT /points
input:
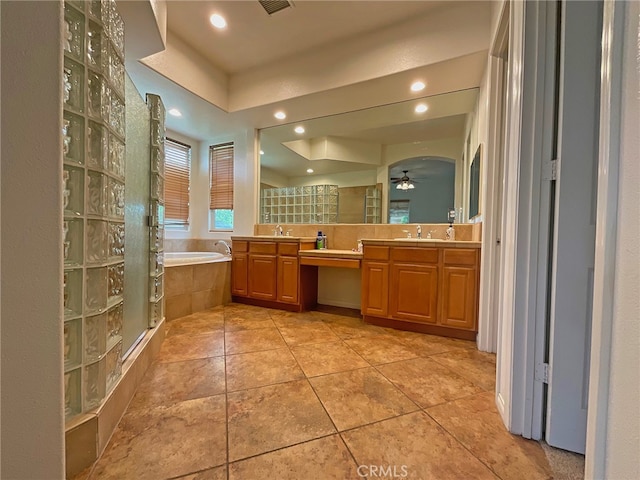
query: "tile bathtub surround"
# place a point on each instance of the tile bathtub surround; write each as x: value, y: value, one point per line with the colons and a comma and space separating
x: 193, y: 288
x: 255, y: 393
x: 345, y: 236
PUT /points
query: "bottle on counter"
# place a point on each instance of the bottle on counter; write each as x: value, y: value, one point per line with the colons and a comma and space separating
x: 451, y: 233
x: 320, y: 240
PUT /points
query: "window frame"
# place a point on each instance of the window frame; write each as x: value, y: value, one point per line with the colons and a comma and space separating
x: 224, y: 166
x: 179, y: 222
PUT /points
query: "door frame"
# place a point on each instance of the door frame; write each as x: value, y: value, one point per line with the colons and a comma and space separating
x: 526, y: 207
x: 606, y: 236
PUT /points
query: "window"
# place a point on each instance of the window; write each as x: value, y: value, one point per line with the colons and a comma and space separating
x: 221, y: 187
x: 176, y: 184
x: 399, y: 211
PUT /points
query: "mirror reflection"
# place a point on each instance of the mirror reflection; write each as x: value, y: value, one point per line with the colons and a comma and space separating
x: 397, y: 163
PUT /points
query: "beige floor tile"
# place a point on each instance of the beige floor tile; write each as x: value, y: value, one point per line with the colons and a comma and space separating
x: 427, y: 382
x: 349, y: 327
x: 167, y: 383
x: 287, y: 319
x: 325, y: 358
x: 205, y: 321
x: 244, y: 341
x: 476, y: 424
x: 378, y: 349
x: 425, y: 345
x: 218, y: 473
x: 413, y: 446
x: 307, y: 334
x: 243, y: 321
x: 189, y: 347
x: 325, y: 458
x: 257, y: 369
x: 268, y: 418
x: 359, y: 397
x: 478, y: 367
x: 165, y: 442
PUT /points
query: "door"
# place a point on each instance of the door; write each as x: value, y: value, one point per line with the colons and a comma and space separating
x: 459, y: 297
x: 574, y: 226
x: 288, y: 279
x: 239, y: 274
x: 262, y: 276
x: 414, y: 292
x: 375, y: 289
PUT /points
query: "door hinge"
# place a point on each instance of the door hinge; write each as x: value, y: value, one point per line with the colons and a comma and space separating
x: 550, y: 170
x: 542, y: 372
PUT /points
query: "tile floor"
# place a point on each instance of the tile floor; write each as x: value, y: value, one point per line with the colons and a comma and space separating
x: 242, y: 393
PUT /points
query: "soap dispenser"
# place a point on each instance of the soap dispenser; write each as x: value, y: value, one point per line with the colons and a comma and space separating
x: 320, y: 240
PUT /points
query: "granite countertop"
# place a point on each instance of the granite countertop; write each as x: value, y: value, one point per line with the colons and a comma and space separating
x: 330, y: 253
x: 421, y: 242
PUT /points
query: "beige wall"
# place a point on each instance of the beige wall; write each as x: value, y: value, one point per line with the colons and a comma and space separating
x: 31, y: 183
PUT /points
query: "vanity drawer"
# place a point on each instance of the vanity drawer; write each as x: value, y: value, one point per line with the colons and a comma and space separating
x: 376, y: 253
x: 290, y: 249
x: 414, y: 254
x: 460, y: 256
x: 262, y: 247
x: 239, y: 246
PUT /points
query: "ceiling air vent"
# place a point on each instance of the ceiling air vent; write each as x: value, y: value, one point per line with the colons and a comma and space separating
x: 273, y: 6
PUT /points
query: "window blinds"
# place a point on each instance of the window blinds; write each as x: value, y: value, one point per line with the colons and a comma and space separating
x: 221, y: 177
x: 176, y: 183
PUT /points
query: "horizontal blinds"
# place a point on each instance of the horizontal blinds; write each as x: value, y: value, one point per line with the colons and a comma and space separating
x: 176, y: 183
x: 221, y: 176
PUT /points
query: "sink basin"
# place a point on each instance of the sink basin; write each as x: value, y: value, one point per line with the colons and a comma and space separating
x: 405, y: 239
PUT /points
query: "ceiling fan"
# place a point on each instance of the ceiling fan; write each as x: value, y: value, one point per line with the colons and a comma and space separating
x: 404, y: 182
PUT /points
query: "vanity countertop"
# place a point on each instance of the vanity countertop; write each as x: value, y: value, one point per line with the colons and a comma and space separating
x: 330, y: 253
x: 272, y: 238
x: 421, y: 242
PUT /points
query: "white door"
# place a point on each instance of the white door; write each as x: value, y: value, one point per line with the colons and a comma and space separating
x: 574, y: 225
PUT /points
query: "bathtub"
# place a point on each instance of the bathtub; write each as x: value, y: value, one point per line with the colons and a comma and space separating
x: 195, y: 281
x: 172, y: 259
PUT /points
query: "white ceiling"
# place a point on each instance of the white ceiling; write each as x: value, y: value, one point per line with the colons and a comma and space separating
x: 254, y: 38
x: 254, y: 41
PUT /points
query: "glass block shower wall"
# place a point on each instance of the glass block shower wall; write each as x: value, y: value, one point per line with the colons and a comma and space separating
x: 308, y: 204
x: 156, y: 219
x: 93, y: 138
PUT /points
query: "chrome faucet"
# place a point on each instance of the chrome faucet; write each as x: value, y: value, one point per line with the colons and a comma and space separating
x: 226, y: 246
x: 429, y: 233
x: 277, y: 230
x: 419, y: 231
x: 408, y: 233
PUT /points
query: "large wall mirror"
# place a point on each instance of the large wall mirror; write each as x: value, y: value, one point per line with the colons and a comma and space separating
x: 397, y: 163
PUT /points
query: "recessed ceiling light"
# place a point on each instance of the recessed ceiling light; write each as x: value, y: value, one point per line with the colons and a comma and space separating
x: 299, y: 129
x: 309, y: 170
x: 175, y: 112
x: 421, y: 108
x: 261, y: 152
x: 218, y: 20
x: 417, y: 86
x: 280, y: 115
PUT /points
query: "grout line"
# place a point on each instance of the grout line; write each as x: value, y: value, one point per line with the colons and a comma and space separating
x: 226, y: 394
x: 462, y: 444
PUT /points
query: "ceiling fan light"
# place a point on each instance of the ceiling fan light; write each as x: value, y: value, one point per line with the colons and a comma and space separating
x: 399, y: 186
x: 411, y: 186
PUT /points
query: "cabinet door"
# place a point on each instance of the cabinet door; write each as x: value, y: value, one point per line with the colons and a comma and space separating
x: 414, y: 292
x: 239, y: 274
x: 288, y: 279
x: 459, y: 297
x: 262, y: 277
x: 375, y: 288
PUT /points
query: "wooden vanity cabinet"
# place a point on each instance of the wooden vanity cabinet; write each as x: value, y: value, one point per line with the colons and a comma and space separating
x: 239, y: 269
x: 268, y: 273
x: 427, y: 289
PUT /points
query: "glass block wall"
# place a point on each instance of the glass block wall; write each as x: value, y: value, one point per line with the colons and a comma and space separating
x: 308, y: 204
x: 373, y: 205
x: 93, y: 139
x: 156, y: 223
